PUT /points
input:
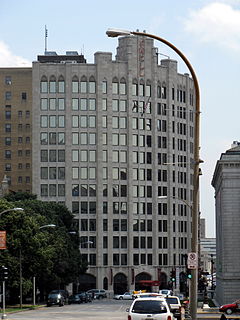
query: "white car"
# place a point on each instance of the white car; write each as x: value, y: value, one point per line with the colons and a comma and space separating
x: 166, y: 292
x: 174, y: 305
x: 149, y: 309
x: 125, y: 296
x: 148, y: 295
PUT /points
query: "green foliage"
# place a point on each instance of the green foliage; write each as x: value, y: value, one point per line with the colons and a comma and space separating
x: 16, y: 196
x: 50, y: 254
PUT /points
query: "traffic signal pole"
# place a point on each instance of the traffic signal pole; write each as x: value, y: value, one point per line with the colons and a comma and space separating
x: 4, y: 316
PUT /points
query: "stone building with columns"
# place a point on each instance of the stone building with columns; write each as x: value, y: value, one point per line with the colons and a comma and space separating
x: 226, y: 182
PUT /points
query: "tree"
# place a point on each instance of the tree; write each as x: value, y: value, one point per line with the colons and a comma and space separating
x: 50, y: 254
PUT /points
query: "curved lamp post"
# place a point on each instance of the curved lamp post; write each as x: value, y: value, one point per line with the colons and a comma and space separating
x: 13, y: 209
x: 34, y: 279
x: 195, y: 207
x: 20, y: 264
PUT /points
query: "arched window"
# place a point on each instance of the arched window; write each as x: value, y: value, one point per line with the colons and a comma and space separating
x: 83, y: 84
x: 148, y: 88
x: 44, y: 85
x: 135, y: 87
x: 104, y: 86
x: 159, y: 95
x: 123, y: 86
x: 105, y: 283
x: 52, y: 85
x: 75, y: 85
x: 173, y: 92
x: 115, y: 86
x: 92, y: 85
x: 164, y: 91
x: 61, y: 84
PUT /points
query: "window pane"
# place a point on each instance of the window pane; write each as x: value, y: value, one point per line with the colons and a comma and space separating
x: 104, y: 86
x: 115, y: 105
x: 83, y: 87
x: 92, y: 138
x: 44, y: 87
x: 104, y: 104
x: 61, y: 86
x: 44, y: 104
x: 83, y: 104
x: 122, y: 88
x: 92, y: 87
x: 123, y: 105
x: 92, y: 104
x: 83, y: 121
x: 44, y: 121
x: 61, y: 138
x: 83, y: 138
x: 115, y: 87
x: 92, y: 122
x: 52, y: 104
x: 75, y: 104
x: 75, y: 120
x: 52, y: 86
x: 61, y: 104
x: 75, y: 138
x: 61, y: 121
x: 74, y: 86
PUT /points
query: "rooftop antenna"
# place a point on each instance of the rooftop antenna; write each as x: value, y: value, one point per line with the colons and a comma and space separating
x: 46, y: 35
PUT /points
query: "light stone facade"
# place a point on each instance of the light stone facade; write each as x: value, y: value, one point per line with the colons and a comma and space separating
x: 226, y: 181
x: 122, y: 137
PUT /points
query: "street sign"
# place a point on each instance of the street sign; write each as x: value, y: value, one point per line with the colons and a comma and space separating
x: 3, y: 240
x: 192, y: 261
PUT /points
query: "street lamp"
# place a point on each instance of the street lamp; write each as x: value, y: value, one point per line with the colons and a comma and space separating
x: 197, y: 161
x: 13, y: 209
x: 184, y: 201
x: 20, y: 267
x: 86, y: 242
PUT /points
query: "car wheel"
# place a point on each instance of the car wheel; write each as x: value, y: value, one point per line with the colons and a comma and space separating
x: 120, y: 298
x: 100, y: 297
x: 229, y: 311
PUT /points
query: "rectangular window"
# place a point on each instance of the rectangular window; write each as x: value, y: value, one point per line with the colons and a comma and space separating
x: 92, y: 104
x: 8, y: 80
x: 61, y: 104
x: 8, y: 95
x: 75, y: 138
x: 83, y: 104
x: 75, y: 85
x: 44, y: 138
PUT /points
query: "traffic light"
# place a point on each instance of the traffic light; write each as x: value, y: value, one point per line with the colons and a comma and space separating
x: 189, y: 274
x: 173, y: 275
x: 3, y: 273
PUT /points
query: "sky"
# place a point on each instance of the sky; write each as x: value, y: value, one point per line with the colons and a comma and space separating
x: 207, y: 32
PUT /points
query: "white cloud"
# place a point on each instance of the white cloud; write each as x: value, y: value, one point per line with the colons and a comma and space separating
x: 216, y: 23
x: 8, y: 59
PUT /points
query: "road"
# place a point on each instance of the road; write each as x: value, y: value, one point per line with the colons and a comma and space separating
x: 97, y: 310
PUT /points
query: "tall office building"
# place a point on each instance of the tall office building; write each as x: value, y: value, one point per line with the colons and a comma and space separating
x: 15, y: 128
x: 226, y: 182
x: 114, y: 141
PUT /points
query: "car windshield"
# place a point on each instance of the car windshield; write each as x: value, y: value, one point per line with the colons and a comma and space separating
x: 54, y: 295
x: 153, y: 307
x: 171, y: 300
